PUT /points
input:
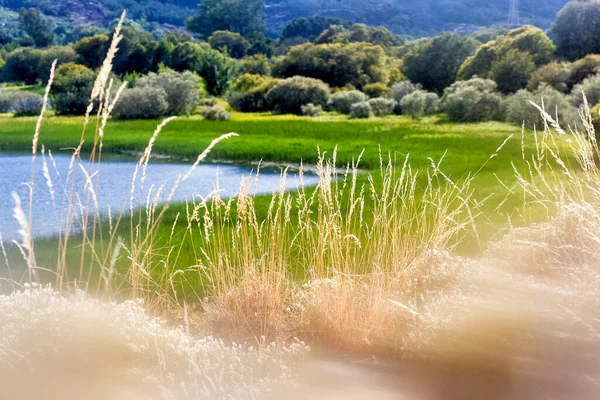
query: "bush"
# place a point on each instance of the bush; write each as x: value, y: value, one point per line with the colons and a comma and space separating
x: 26, y: 104
x: 142, y: 103
x: 310, y: 110
x: 583, y: 68
x: 420, y: 103
x: 72, y: 88
x: 342, y: 101
x: 554, y: 74
x: 360, y: 110
x: 591, y: 88
x: 374, y: 90
x: 472, y: 100
x: 289, y: 95
x: 595, y: 113
x: 6, y: 100
x: 382, y: 107
x: 215, y: 113
x: 249, y: 93
x: 181, y: 88
x: 519, y: 109
x: 232, y: 43
x: 257, y: 65
x: 401, y: 89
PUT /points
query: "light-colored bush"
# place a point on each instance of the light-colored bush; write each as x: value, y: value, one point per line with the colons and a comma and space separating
x: 342, y: 101
x: 289, y: 95
x: 382, y: 107
x: 591, y: 88
x: 215, y: 113
x: 360, y: 110
x: 142, y: 103
x: 472, y: 100
x: 181, y: 88
x: 401, y: 89
x: 420, y: 103
x: 519, y: 109
x: 554, y: 74
x: 310, y: 110
x: 26, y: 104
x: 6, y: 100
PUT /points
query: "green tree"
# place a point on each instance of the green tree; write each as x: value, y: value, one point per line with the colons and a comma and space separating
x: 91, y: 50
x: 576, y: 30
x: 33, y: 23
x: 337, y: 64
x: 231, y: 43
x: 71, y: 89
x: 435, y: 63
x: 246, y: 17
x: 136, y: 52
x: 512, y: 72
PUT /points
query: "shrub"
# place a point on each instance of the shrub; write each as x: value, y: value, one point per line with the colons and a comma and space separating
x: 432, y: 103
x: 374, y: 90
x: 554, y: 74
x: 472, y: 100
x: 583, y: 68
x: 360, y: 110
x: 420, y: 103
x: 342, y: 101
x: 289, y: 95
x: 6, y: 99
x: 26, y: 104
x: 401, y: 89
x: 181, y: 88
x: 215, y: 113
x: 71, y: 89
x: 310, y: 110
x: 257, y: 65
x: 233, y: 43
x: 249, y: 93
x: 512, y: 72
x: 591, y: 88
x: 519, y: 109
x: 382, y: 107
x: 142, y: 103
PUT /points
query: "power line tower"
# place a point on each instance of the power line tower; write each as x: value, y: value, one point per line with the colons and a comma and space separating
x: 513, y: 14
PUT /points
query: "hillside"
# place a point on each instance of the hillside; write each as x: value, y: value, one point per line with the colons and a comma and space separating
x: 419, y: 18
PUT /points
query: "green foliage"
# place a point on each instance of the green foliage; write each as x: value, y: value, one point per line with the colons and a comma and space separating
x: 414, y: 104
x: 435, y: 62
x: 337, y: 64
x: 245, y: 17
x: 310, y: 110
x: 590, y: 87
x: 510, y: 60
x: 230, y: 43
x: 217, y: 70
x: 289, y: 95
x: 26, y: 104
x: 142, y: 103
x: 360, y: 110
x: 400, y: 90
x: 471, y: 101
x: 576, y: 31
x: 583, y: 68
x: 72, y: 88
x: 309, y: 28
x: 136, y: 52
x: 215, y: 113
x: 182, y: 90
x: 257, y: 65
x: 555, y: 74
x: 28, y: 65
x: 33, y: 23
x: 356, y: 33
x: 374, y: 90
x: 382, y: 107
x: 91, y: 50
x: 249, y: 93
x: 512, y: 71
x: 519, y: 109
x: 342, y: 102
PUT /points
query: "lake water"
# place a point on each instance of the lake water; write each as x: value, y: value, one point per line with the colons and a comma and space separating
x: 113, y: 187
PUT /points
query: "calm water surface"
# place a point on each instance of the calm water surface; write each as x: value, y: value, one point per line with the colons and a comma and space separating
x: 113, y: 187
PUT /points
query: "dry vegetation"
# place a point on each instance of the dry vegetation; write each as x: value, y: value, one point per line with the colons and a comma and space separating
x: 319, y: 269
